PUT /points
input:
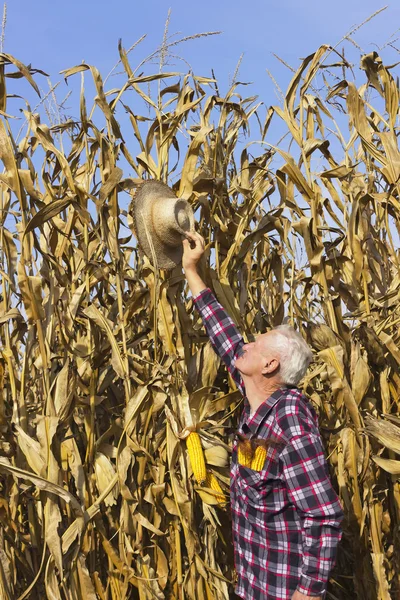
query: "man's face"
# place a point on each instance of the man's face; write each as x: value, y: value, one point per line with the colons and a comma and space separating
x: 258, y: 355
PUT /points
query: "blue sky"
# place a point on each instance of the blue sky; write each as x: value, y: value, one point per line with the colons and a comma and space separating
x: 54, y: 35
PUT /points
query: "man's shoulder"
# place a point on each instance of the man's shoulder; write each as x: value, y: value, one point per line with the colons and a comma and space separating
x: 294, y: 413
x: 292, y: 400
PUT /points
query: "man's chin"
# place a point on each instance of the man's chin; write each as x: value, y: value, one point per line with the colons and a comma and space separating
x: 237, y: 364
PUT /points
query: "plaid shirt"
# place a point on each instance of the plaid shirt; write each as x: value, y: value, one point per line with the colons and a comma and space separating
x: 286, y: 517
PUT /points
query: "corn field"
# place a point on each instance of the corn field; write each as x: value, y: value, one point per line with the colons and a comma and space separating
x: 105, y: 369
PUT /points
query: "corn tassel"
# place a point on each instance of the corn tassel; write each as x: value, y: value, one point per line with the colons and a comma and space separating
x: 213, y: 483
x: 259, y: 458
x: 196, y: 455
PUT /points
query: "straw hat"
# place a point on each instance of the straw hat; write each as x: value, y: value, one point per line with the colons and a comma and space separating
x: 160, y: 222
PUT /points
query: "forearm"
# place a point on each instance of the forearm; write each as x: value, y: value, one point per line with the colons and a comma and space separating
x: 220, y: 328
x: 195, y: 282
x: 311, y: 492
x: 320, y: 546
x: 222, y: 332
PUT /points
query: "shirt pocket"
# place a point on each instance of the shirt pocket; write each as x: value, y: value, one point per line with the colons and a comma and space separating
x: 260, y: 489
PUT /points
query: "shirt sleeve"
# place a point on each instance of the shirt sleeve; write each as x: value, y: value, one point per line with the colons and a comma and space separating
x: 222, y: 332
x: 305, y: 471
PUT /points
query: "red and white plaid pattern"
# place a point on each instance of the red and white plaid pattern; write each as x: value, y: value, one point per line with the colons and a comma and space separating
x: 286, y: 518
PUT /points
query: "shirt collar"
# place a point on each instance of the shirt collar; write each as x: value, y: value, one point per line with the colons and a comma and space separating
x: 254, y: 422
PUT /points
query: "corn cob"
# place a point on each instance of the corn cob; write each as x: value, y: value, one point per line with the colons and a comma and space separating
x: 244, y: 453
x: 195, y: 450
x: 259, y: 457
x: 213, y: 483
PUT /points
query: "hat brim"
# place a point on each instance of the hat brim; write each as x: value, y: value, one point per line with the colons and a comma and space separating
x: 161, y: 255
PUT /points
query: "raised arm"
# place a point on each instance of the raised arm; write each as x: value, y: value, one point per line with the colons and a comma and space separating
x: 193, y: 250
x: 220, y: 328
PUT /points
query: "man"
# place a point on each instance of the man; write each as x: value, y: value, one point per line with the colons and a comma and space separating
x: 286, y: 515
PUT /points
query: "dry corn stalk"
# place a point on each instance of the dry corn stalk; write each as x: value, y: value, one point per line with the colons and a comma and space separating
x: 110, y: 353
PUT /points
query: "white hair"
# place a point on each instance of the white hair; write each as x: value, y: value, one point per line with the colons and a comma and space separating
x: 294, y: 354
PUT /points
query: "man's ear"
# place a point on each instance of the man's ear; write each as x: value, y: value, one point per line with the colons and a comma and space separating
x: 271, y: 366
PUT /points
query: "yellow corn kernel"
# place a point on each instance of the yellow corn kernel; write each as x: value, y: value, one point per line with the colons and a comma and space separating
x: 196, y: 455
x: 244, y: 457
x: 213, y: 483
x: 259, y: 458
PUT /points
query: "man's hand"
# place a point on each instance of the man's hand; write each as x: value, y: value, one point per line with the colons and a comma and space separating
x: 299, y: 596
x: 193, y: 249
